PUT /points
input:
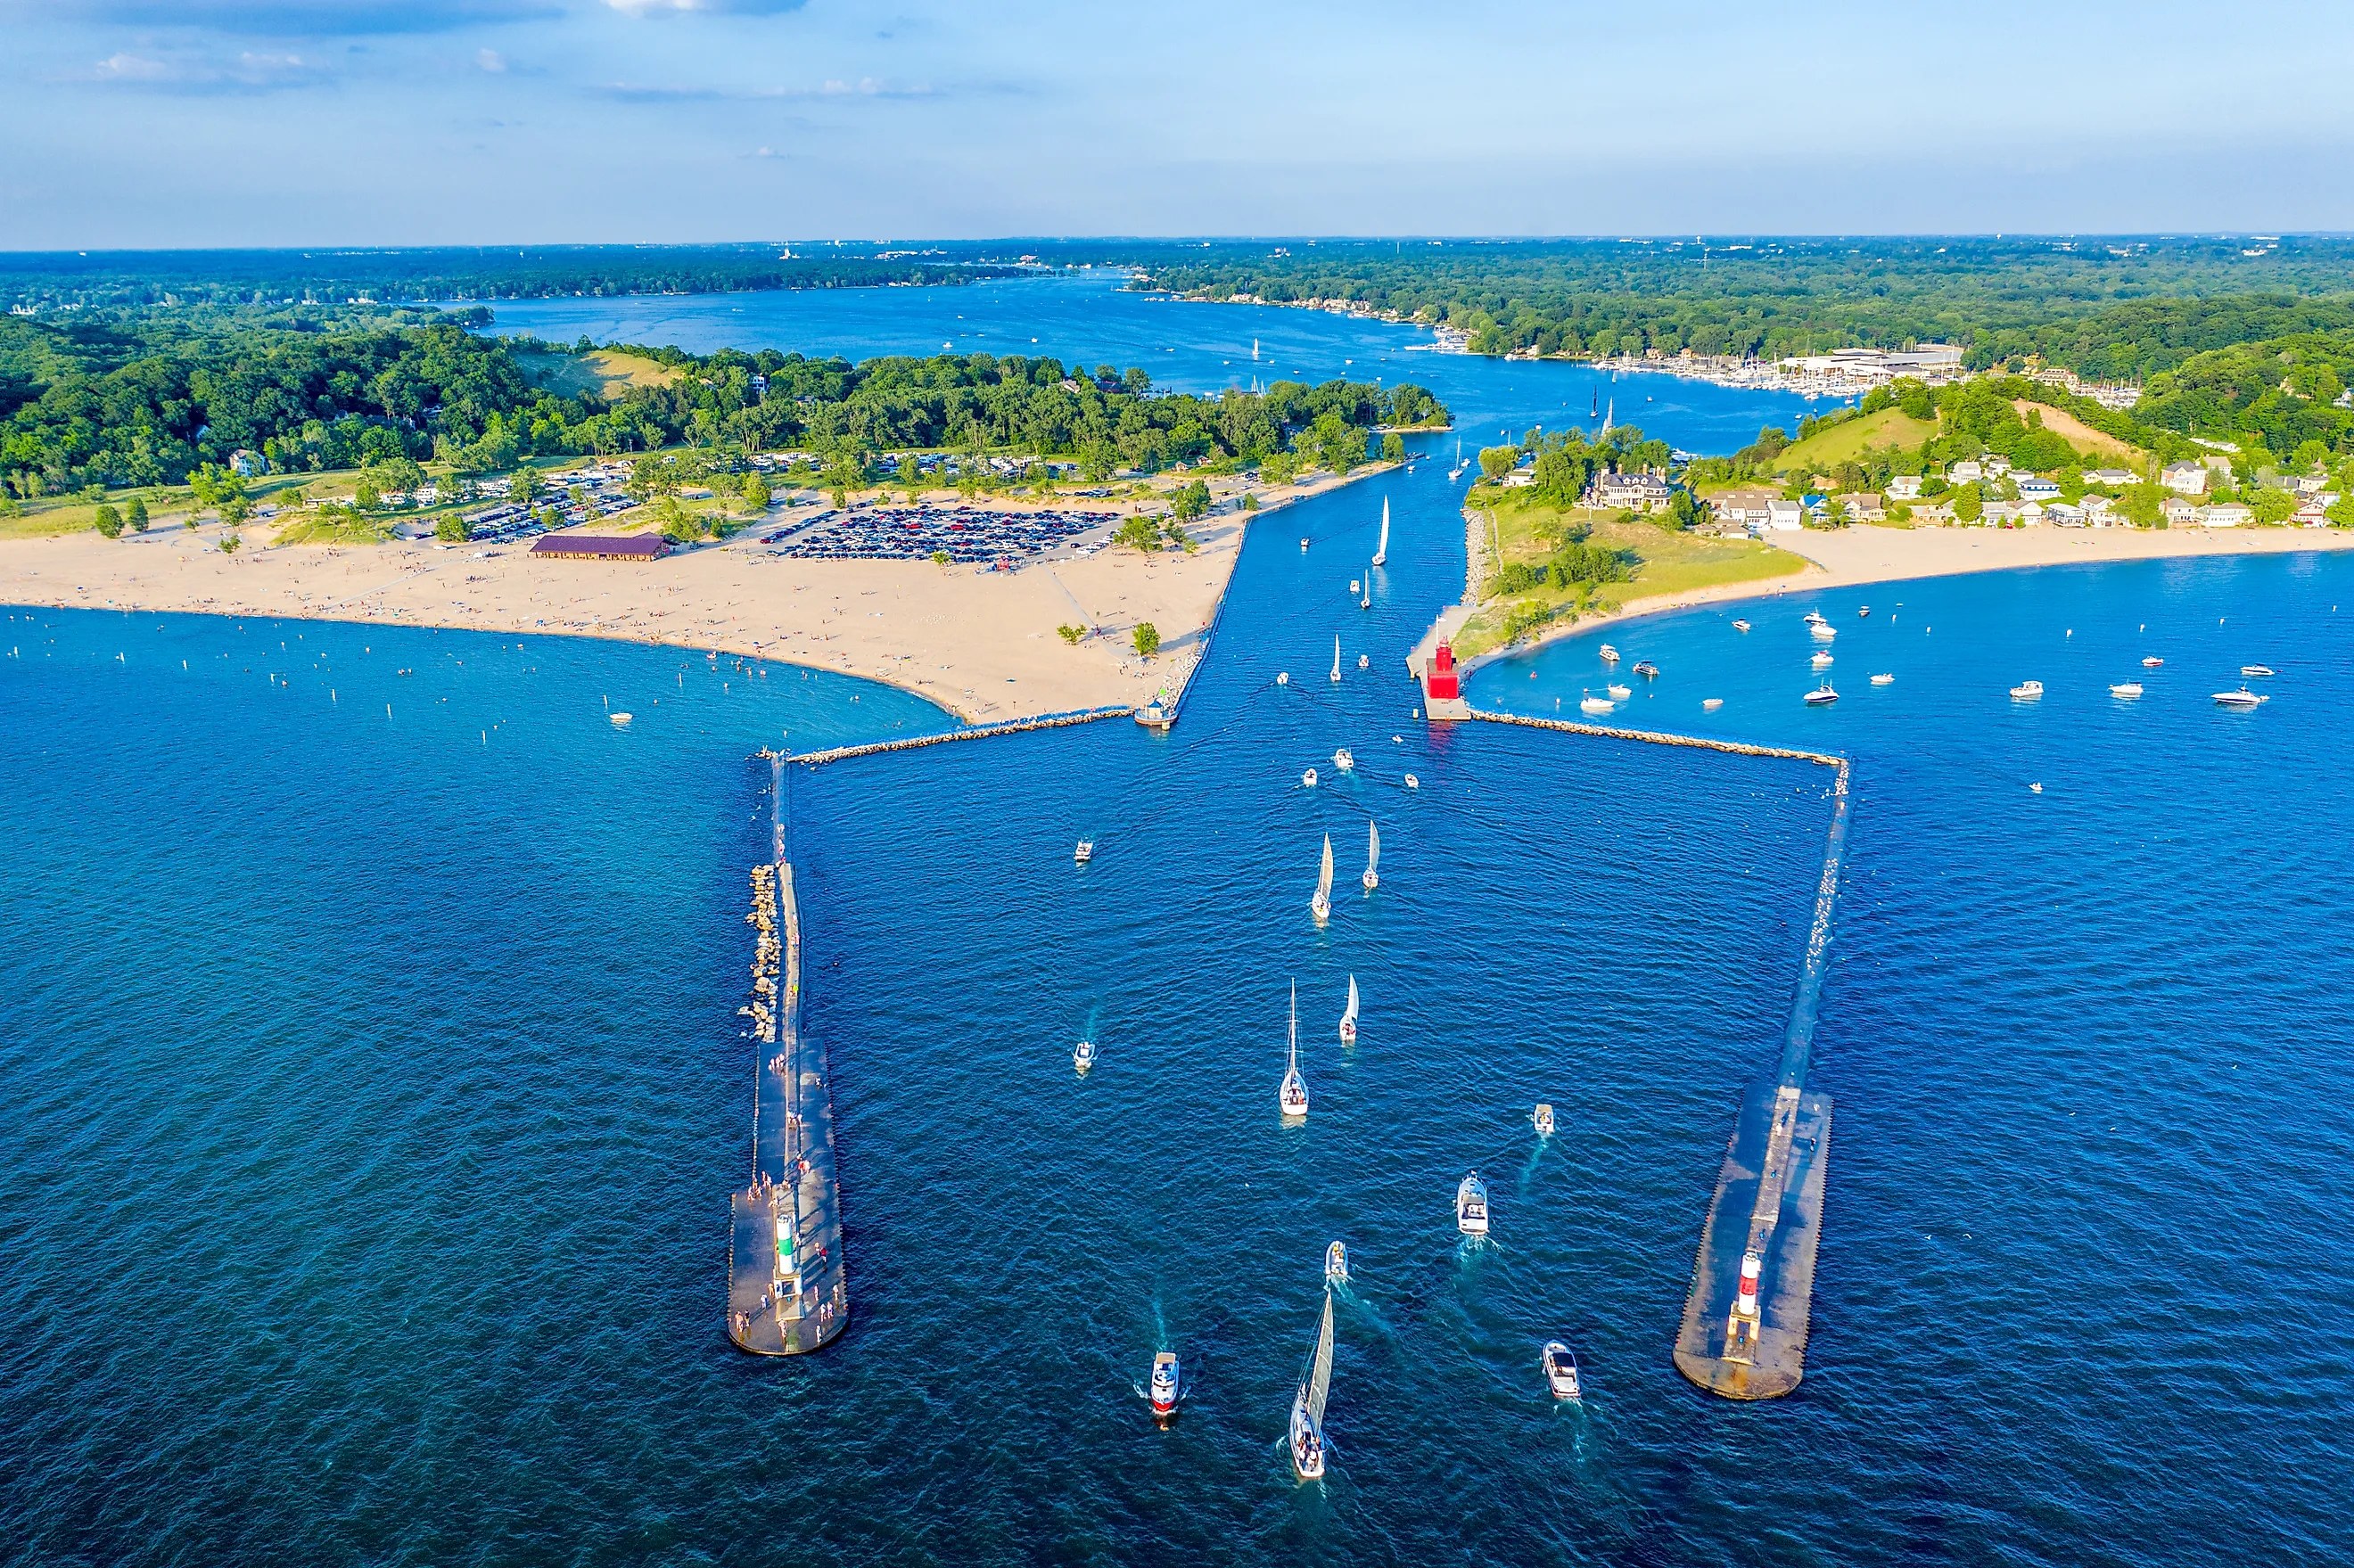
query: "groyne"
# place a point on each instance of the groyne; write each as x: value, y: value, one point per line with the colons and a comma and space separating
x: 787, y: 1291
x: 974, y: 732
x: 1744, y: 1333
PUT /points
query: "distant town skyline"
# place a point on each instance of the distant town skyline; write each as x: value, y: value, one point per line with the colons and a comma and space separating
x: 137, y: 123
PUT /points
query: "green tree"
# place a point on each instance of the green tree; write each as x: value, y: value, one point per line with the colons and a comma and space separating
x: 1969, y: 505
x: 1139, y: 533
x: 2271, y: 504
x: 1189, y: 501
x: 940, y: 558
x: 2341, y: 512
x: 911, y: 477
x: 364, y: 494
x: 453, y: 527
x: 229, y: 543
x: 1097, y: 458
x: 755, y: 494
x: 1148, y: 638
x: 109, y: 522
x: 2143, y: 505
x: 523, y: 485
x: 1071, y: 634
x: 1495, y: 462
x: 1250, y: 503
x: 135, y: 515
x: 1393, y: 447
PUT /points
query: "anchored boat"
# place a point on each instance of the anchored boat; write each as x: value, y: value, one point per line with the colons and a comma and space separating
x: 1471, y: 1207
x: 2256, y: 670
x: 2126, y: 689
x: 1164, y: 1384
x: 1349, y: 1018
x: 1084, y: 852
x: 1344, y: 759
x: 2243, y: 698
x: 1609, y: 654
x: 1646, y: 669
x: 2152, y: 662
x: 1293, y: 1096
x: 1373, y: 857
x: 1822, y: 697
x: 1883, y: 680
x: 1322, y: 903
x: 1740, y: 626
x: 1308, y: 1405
x: 1308, y: 778
x: 1412, y: 783
x: 2027, y: 691
x: 1595, y: 706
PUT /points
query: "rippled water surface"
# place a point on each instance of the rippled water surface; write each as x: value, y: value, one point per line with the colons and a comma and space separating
x: 374, y: 1083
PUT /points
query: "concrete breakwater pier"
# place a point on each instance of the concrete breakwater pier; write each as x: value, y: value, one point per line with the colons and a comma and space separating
x: 786, y: 1288
x: 974, y: 732
x: 1744, y: 1333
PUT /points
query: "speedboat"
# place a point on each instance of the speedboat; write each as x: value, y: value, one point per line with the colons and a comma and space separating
x: 1824, y: 630
x: 1646, y: 669
x: 1883, y: 680
x: 2028, y: 691
x: 1353, y: 587
x: 1084, y: 852
x: 1609, y: 654
x: 1740, y: 626
x: 1820, y: 659
x: 1308, y: 778
x: 1863, y: 609
x: 1364, y: 661
x: 1164, y: 1384
x: 2254, y: 669
x: 1543, y: 1118
x: 2243, y: 698
x: 1814, y: 617
x: 1596, y: 706
x: 1343, y: 759
x: 2152, y: 662
x: 617, y: 718
x: 1822, y: 697
x: 1619, y: 694
x: 1303, y: 546
x: 1412, y: 783
x: 1559, y: 1370
x: 1082, y: 1055
x: 1709, y: 704
x: 1471, y: 1207
x: 2126, y: 689
x: 1336, y: 1265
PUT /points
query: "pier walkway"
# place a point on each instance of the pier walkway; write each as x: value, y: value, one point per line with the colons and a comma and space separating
x: 786, y: 1288
x: 1744, y: 1333
x: 972, y: 732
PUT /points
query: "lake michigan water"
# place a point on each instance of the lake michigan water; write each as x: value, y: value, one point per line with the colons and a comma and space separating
x: 374, y: 1081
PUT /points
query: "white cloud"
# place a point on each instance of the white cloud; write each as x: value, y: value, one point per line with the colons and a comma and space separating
x: 492, y: 60
x: 132, y: 67
x: 704, y: 7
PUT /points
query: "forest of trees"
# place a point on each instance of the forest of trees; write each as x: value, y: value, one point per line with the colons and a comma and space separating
x: 149, y: 402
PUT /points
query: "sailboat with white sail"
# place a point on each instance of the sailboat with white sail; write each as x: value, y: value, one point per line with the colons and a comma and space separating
x: 1336, y: 660
x: 1373, y: 857
x: 1292, y: 1097
x: 1308, y: 1405
x: 1382, y: 550
x: 1349, y: 1019
x: 1321, y: 905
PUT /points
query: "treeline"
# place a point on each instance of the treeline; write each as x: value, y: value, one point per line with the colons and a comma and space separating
x: 119, y: 280
x: 2109, y: 309
x: 87, y: 408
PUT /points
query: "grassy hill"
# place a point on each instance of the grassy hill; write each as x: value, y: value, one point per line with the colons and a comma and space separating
x: 1826, y: 450
x: 2093, y: 443
x: 604, y: 372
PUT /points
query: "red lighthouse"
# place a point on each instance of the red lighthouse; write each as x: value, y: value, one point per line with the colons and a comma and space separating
x: 1439, y: 681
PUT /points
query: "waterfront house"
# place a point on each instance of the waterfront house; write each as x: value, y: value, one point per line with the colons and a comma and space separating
x: 2061, y: 515
x: 2097, y: 510
x: 2177, y: 512
x: 2036, y: 487
x: 1747, y: 508
x: 1904, y: 487
x: 1969, y: 470
x: 2031, y: 514
x: 2114, y: 478
x: 1998, y: 513
x: 1862, y: 507
x: 2230, y: 514
x: 1636, y: 492
x: 1995, y: 463
x: 1785, y: 516
x: 592, y: 547
x: 2184, y: 478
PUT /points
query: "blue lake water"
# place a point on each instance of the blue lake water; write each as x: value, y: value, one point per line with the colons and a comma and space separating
x: 373, y: 1085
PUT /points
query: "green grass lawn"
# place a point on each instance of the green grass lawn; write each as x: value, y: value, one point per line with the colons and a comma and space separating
x: 1527, y: 532
x: 1826, y: 450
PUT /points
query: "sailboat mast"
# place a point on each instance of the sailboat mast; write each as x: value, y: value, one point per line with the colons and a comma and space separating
x: 1320, y: 1380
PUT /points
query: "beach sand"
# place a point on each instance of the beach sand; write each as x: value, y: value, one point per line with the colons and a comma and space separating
x: 980, y: 643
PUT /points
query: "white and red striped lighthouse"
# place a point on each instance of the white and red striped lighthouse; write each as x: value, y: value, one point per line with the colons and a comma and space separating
x: 1751, y: 1265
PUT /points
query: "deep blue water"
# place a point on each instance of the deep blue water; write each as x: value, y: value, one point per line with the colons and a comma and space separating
x: 374, y: 1086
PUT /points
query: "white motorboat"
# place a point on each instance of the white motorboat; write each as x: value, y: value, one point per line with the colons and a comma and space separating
x: 1164, y: 1384
x: 1308, y: 778
x: 1883, y: 680
x: 1303, y: 546
x: 1822, y: 697
x: 1412, y: 783
x: 1349, y: 1019
x: 1322, y: 904
x: 2243, y: 698
x: 1344, y: 759
x: 1815, y: 618
x: 1471, y: 1207
x: 1382, y: 549
x: 2152, y: 662
x: 1740, y: 626
x: 1619, y: 694
x: 1307, y: 1433
x: 2254, y: 671
x: 1596, y: 706
x: 1824, y: 631
x: 1336, y: 1265
x: 1084, y: 852
x: 1364, y: 661
x: 1709, y: 704
x: 1336, y: 660
x: 617, y: 718
x: 1561, y: 1371
x: 1820, y: 659
x: 1542, y: 1119
x: 2126, y: 689
x: 2027, y: 691
x: 1082, y: 1055
x: 1292, y: 1097
x: 1372, y: 879
x: 1609, y: 654
x: 1863, y: 609
x: 1354, y: 587
x: 1646, y: 669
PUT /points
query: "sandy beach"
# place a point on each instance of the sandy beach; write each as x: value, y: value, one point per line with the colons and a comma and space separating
x: 981, y: 643
x: 1848, y: 557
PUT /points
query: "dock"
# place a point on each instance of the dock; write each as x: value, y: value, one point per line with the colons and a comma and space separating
x: 787, y: 1291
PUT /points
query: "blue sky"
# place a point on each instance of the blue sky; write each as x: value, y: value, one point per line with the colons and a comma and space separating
x: 207, y: 122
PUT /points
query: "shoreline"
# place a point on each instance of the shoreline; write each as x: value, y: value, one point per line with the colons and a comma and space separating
x: 1862, y: 555
x: 911, y: 625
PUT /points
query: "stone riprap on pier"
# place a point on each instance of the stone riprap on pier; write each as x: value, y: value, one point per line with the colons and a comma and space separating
x: 1765, y: 1220
x: 786, y: 1288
